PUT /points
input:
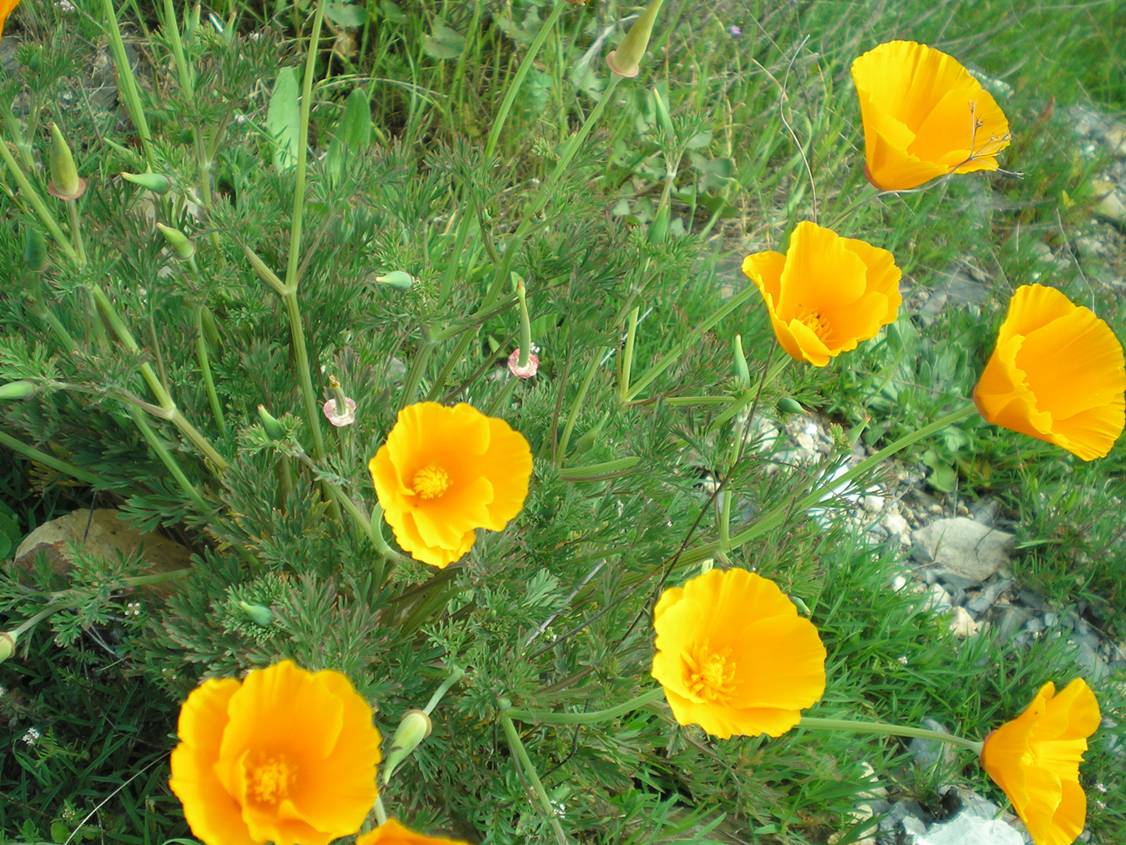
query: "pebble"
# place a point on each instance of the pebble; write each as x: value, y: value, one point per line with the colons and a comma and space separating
x: 962, y: 624
x: 928, y: 752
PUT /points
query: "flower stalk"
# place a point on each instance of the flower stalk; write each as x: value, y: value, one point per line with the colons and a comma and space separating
x: 529, y: 770
x: 887, y: 729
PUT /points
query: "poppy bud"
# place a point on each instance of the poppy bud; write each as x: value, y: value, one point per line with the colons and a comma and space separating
x: 34, y: 250
x: 155, y: 182
x: 396, y: 279
x: 787, y: 405
x: 274, y: 429
x: 65, y: 182
x: 626, y: 60
x: 742, y: 371
x: 7, y: 644
x: 413, y: 729
x: 179, y: 242
x: 664, y: 120
x: 16, y: 390
x: 256, y: 613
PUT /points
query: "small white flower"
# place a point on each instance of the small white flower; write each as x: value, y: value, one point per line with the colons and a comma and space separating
x: 133, y: 609
x: 31, y: 737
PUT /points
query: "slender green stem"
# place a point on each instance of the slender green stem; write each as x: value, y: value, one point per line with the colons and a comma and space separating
x: 518, y: 78
x: 456, y: 674
x: 689, y: 340
x: 166, y: 457
x: 76, y: 230
x: 205, y: 371
x: 576, y: 406
x: 627, y: 355
x: 778, y: 515
x: 886, y: 729
x: 128, y: 83
x: 380, y: 812
x: 32, y: 197
x: 525, y: 763
x: 297, y: 331
x: 33, y: 454
x: 590, y: 717
x: 418, y: 367
x: 28, y: 624
x: 525, y: 327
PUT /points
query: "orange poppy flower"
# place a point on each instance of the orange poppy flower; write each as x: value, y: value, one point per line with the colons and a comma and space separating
x: 1057, y: 374
x: 733, y: 655
x: 1035, y: 759
x: 445, y: 472
x: 924, y: 116
x: 6, y: 8
x: 827, y: 293
x: 393, y: 833
x: 284, y: 756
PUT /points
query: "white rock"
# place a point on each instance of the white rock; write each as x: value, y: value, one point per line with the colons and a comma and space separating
x: 965, y: 548
x: 873, y: 503
x: 939, y: 598
x: 962, y: 624
x: 966, y: 828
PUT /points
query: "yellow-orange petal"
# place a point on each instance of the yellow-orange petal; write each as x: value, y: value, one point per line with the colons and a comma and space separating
x: 734, y: 657
x: 1035, y: 759
x: 212, y: 813
x: 924, y: 116
x: 393, y: 833
x: 6, y: 8
x: 445, y: 472
x: 1057, y: 373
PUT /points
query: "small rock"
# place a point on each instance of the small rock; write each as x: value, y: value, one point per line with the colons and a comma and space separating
x: 1110, y: 205
x: 873, y: 503
x: 967, y: 828
x: 938, y: 599
x: 1089, y: 659
x: 962, y: 624
x: 1011, y: 621
x: 897, y: 527
x: 988, y: 596
x: 928, y: 752
x: 101, y: 533
x: 898, y: 583
x: 965, y: 548
x: 1050, y: 619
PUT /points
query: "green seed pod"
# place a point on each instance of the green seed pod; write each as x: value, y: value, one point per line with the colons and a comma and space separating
x: 179, y: 242
x: 34, y: 250
x: 7, y: 644
x: 396, y: 279
x: 155, y: 182
x: 65, y: 182
x: 413, y: 728
x: 659, y: 228
x: 626, y: 60
x: 664, y: 120
x: 786, y: 405
x: 256, y: 613
x: 16, y: 390
x: 274, y: 429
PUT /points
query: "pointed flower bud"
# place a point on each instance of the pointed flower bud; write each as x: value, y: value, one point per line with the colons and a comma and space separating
x: 274, y: 429
x: 34, y: 250
x: 181, y: 245
x: 742, y: 371
x: 7, y: 644
x: 787, y: 405
x: 16, y: 390
x: 256, y: 613
x: 626, y: 60
x: 413, y: 728
x: 155, y: 182
x: 396, y: 279
x: 65, y: 182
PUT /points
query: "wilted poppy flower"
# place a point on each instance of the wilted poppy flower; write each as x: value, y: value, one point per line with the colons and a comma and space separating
x: 340, y: 418
x: 733, y: 655
x: 445, y: 472
x: 529, y: 370
x: 6, y: 7
x: 1057, y: 374
x: 1035, y: 759
x: 285, y: 756
x: 924, y: 116
x: 393, y: 833
x: 827, y: 293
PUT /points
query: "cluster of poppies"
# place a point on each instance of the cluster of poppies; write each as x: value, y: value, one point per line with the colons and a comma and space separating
x: 290, y: 756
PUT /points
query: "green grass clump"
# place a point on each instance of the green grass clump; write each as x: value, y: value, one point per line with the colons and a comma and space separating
x: 148, y: 369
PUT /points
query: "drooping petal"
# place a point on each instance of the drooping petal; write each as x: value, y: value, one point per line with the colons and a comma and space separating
x: 211, y: 811
x: 393, y: 833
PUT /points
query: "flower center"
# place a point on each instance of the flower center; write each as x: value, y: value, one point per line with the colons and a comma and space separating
x: 711, y: 674
x: 271, y: 779
x: 814, y: 322
x: 430, y: 482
